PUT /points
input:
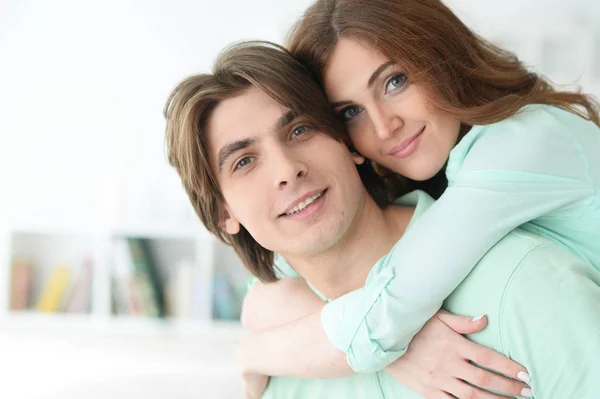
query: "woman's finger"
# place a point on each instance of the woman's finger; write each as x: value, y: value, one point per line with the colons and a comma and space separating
x: 440, y: 395
x: 462, y: 390
x: 493, y: 360
x: 462, y: 324
x: 431, y: 393
x: 491, y: 381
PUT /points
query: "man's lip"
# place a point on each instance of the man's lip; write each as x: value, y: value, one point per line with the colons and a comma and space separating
x: 299, y: 199
x: 405, y: 143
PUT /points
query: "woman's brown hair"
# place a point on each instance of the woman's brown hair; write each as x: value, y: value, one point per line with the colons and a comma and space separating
x: 465, y: 75
x: 272, y: 69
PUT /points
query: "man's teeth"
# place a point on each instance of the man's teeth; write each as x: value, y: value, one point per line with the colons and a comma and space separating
x: 303, y: 204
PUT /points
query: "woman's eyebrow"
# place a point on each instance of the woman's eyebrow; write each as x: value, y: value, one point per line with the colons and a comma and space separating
x: 340, y: 103
x: 377, y: 72
x: 374, y: 76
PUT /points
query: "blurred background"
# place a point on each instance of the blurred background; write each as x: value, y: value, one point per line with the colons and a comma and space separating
x: 109, y: 285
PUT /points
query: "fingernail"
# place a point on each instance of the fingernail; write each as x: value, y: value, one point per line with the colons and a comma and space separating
x: 526, y: 393
x: 523, y: 376
x: 476, y: 319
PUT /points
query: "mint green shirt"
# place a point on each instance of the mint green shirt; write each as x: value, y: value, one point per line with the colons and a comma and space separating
x: 543, y: 308
x: 539, y: 169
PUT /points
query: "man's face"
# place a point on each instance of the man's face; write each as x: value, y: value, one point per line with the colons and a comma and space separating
x: 295, y: 189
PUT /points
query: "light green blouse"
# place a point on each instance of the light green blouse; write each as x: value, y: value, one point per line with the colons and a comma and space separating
x: 539, y: 169
x: 543, y: 309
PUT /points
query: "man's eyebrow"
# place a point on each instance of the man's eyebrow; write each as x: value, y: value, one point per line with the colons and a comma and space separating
x: 372, y: 80
x: 233, y: 147
x: 378, y: 72
x: 284, y: 120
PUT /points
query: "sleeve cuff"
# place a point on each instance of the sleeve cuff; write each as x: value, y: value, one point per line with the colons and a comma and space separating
x: 344, y: 322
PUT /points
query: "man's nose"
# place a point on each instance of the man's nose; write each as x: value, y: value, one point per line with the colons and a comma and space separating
x: 289, y: 168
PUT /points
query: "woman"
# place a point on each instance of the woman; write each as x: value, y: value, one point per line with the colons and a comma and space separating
x: 424, y: 98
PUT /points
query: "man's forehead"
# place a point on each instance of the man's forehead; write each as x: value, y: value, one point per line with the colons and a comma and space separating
x: 241, y: 121
x: 249, y: 114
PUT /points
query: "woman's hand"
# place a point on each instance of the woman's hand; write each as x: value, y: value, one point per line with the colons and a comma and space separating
x: 439, y: 363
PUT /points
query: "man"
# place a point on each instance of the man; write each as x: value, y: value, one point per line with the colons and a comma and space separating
x: 267, y: 169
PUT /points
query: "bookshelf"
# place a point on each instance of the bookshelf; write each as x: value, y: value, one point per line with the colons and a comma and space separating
x: 201, y: 280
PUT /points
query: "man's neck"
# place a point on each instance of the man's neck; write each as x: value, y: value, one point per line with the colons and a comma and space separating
x: 344, y: 267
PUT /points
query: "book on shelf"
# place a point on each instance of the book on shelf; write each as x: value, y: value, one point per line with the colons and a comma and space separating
x: 62, y: 292
x: 21, y: 284
x: 185, y: 293
x: 137, y: 286
x: 78, y: 299
x: 124, y: 295
x: 146, y: 277
x: 54, y: 290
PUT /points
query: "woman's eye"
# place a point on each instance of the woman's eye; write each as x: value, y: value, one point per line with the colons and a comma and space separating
x: 242, y: 163
x: 349, y: 113
x: 299, y: 131
x: 395, y: 82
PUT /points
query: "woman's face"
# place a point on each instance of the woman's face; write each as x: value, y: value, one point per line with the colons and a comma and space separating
x: 390, y: 120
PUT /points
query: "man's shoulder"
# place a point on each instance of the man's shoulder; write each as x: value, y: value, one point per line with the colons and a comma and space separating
x: 504, y: 258
x: 521, y: 257
x: 543, y: 268
x: 485, y: 289
x: 531, y: 255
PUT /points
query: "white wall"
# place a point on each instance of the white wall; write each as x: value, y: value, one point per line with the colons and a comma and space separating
x: 83, y: 86
x: 83, y: 83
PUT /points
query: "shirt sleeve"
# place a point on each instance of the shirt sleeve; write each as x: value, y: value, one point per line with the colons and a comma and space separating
x: 510, y: 175
x: 550, y: 323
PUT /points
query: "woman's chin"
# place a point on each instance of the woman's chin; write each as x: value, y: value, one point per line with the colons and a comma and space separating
x: 423, y: 175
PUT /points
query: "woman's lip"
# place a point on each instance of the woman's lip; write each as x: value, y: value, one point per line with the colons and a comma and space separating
x: 407, y: 147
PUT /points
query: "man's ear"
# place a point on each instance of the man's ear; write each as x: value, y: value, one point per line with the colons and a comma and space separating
x: 357, y: 158
x: 229, y: 223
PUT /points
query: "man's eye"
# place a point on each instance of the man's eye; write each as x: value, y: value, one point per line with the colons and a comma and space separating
x: 242, y: 163
x: 395, y: 82
x: 349, y: 112
x: 299, y: 131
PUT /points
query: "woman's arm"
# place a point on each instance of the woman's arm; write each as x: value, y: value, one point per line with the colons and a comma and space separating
x: 267, y: 306
x: 297, y: 349
x: 437, y: 363
x: 437, y: 360
x: 274, y: 304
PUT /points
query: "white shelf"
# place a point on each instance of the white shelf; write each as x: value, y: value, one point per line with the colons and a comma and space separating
x: 48, y: 243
